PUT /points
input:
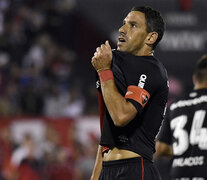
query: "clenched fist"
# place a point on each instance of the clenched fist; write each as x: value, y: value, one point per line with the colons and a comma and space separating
x: 102, y: 57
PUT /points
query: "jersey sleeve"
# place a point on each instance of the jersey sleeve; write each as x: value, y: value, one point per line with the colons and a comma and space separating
x: 142, y: 79
x: 165, y: 135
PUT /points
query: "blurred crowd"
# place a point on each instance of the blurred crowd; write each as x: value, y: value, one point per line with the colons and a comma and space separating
x: 40, y: 69
x: 42, y: 74
x: 49, y: 159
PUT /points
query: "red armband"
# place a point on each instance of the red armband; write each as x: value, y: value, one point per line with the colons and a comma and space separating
x: 105, y: 75
x: 138, y: 94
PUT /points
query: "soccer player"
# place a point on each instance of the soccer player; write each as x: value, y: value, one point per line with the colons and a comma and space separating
x: 184, y: 131
x: 132, y: 90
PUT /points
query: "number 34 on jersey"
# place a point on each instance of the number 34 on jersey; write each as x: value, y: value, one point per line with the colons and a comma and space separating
x: 197, y: 135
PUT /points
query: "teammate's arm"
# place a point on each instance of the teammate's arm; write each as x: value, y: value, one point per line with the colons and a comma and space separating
x: 164, y: 138
x: 98, y: 165
x: 120, y: 110
x: 163, y: 149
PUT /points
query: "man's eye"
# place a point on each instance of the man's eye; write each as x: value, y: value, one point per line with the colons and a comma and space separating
x: 133, y: 25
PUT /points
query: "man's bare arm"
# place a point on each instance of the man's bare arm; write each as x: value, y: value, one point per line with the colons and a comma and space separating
x: 121, y: 111
x: 98, y: 165
x: 163, y: 149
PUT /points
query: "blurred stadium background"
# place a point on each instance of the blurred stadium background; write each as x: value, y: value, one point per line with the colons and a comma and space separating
x: 49, y: 126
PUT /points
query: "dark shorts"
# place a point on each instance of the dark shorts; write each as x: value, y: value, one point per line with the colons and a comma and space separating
x: 129, y: 169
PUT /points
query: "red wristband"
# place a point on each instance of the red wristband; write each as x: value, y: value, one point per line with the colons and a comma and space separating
x: 105, y: 75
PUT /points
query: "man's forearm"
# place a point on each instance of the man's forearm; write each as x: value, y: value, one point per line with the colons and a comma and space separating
x: 163, y: 149
x: 121, y: 111
x: 98, y: 165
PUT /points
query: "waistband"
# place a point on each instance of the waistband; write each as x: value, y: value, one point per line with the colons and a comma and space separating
x: 125, y: 161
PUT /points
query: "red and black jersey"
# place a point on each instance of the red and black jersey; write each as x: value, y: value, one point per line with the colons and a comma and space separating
x: 148, y: 77
x: 185, y: 128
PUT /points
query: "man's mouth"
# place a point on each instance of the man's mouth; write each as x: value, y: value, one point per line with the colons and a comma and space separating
x: 121, y: 39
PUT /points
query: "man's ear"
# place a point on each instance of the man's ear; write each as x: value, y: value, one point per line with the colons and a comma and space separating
x: 194, y: 80
x: 151, y: 38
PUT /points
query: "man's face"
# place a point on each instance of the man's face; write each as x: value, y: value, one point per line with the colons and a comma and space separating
x: 133, y: 33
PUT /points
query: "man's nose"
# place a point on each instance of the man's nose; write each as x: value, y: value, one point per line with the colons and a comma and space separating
x: 122, y: 30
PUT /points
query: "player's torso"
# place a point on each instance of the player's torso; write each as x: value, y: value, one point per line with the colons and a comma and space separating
x: 141, y: 129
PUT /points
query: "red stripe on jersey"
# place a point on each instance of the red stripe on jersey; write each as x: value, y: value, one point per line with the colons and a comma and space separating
x: 142, y: 168
x: 138, y: 94
x: 102, y: 109
x: 104, y: 149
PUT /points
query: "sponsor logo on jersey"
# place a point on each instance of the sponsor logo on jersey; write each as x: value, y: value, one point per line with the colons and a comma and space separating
x: 98, y: 84
x: 123, y: 138
x: 188, y: 161
x: 142, y: 80
x: 129, y: 93
x: 189, y: 102
x: 144, y: 97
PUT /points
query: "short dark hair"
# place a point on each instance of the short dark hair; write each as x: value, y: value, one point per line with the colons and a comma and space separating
x: 154, y: 21
x: 201, y: 69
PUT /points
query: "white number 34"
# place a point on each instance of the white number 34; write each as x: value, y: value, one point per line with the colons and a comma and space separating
x: 198, y: 134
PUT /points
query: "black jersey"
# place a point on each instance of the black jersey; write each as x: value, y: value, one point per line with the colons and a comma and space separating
x: 139, y: 135
x: 185, y: 128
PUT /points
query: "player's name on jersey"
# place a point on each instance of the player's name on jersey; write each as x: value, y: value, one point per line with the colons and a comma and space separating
x: 188, y: 161
x: 186, y: 178
x: 189, y: 102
